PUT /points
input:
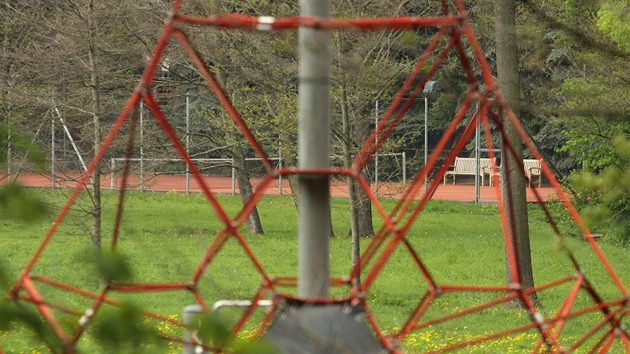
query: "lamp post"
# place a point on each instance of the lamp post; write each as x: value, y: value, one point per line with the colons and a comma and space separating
x: 477, y: 156
x: 431, y: 88
x: 479, y: 150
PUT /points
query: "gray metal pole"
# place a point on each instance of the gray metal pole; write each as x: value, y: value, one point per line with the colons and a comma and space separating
x: 477, y: 157
x: 192, y: 316
x: 426, y: 140
x: 9, y: 145
x: 233, y: 178
x: 112, y: 177
x: 28, y: 150
x: 280, y: 165
x: 376, y: 152
x: 74, y: 146
x: 187, y: 142
x: 52, y: 151
x: 141, y: 147
x: 314, y: 153
x: 404, y: 168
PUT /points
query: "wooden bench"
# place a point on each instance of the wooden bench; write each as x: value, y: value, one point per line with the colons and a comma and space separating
x: 531, y: 169
x: 468, y: 166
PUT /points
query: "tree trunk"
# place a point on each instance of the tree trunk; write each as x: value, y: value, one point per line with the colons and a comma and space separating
x: 352, y: 195
x: 96, y: 109
x: 364, y: 206
x: 514, y: 193
x: 246, y: 190
x: 291, y: 160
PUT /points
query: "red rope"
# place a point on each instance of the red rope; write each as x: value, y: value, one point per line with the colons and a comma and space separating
x: 125, y: 177
x: 394, y: 241
x: 565, y: 199
x: 223, y: 98
x: 266, y: 23
x: 83, y: 323
x: 44, y: 309
x: 94, y: 296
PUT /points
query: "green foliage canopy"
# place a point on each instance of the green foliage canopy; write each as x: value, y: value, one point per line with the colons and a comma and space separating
x: 605, y: 196
x: 613, y: 19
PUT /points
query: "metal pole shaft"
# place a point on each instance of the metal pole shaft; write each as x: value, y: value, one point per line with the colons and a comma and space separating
x: 426, y: 140
x: 280, y: 166
x: 112, y: 181
x: 376, y: 153
x: 52, y: 152
x: 192, y: 319
x: 477, y: 157
x: 233, y: 178
x: 314, y: 153
x: 141, y: 147
x: 404, y: 168
x: 187, y: 142
x: 9, y: 145
x: 74, y: 145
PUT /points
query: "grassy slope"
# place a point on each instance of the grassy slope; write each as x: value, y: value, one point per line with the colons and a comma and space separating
x: 165, y: 235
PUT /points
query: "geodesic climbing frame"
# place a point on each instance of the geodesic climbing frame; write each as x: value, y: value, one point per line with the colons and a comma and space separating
x: 453, y: 34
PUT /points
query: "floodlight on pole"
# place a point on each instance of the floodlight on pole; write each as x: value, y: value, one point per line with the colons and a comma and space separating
x: 431, y: 88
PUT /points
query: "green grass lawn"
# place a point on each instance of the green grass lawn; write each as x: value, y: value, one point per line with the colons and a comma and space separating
x: 164, y: 236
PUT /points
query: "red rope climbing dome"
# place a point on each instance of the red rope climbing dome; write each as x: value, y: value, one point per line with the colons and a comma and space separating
x: 453, y: 34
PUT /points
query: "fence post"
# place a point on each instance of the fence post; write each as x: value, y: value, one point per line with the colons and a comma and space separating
x: 9, y: 146
x: 192, y: 315
x: 280, y: 165
x: 52, y: 151
x: 74, y: 145
x: 376, y: 152
x: 233, y: 179
x: 187, y: 142
x: 426, y: 141
x: 111, y: 178
x: 477, y: 155
x: 141, y: 147
x: 404, y: 168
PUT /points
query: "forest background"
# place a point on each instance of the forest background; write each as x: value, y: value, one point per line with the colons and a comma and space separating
x: 79, y: 60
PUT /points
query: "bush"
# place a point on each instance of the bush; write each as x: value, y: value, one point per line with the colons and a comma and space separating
x: 603, y: 198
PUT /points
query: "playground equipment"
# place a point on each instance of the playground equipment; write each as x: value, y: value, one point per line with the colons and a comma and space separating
x: 313, y: 321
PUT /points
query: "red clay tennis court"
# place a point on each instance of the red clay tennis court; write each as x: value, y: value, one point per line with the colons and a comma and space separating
x: 464, y: 191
